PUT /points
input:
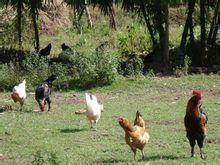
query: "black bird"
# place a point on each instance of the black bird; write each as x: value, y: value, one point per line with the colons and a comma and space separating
x: 45, y: 51
x: 43, y: 91
x: 65, y: 47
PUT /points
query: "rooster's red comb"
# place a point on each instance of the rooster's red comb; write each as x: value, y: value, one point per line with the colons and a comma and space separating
x: 197, y: 93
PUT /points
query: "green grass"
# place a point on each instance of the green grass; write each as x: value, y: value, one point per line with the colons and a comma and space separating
x: 66, y: 138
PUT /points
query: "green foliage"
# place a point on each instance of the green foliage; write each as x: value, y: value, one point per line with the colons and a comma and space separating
x: 131, y: 65
x: 92, y: 69
x: 9, y: 76
x: 177, y: 57
x: 133, y: 40
x: 36, y: 69
x: 186, y: 65
x: 43, y: 157
x: 88, y: 69
x: 184, y: 69
x: 150, y: 73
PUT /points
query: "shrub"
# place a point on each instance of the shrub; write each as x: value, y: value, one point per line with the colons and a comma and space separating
x: 87, y: 69
x: 93, y: 69
x: 10, y: 75
x: 44, y: 157
x: 36, y: 69
x: 131, y: 65
x: 134, y: 40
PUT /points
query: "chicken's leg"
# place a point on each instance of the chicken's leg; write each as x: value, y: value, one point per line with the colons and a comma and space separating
x: 21, y: 103
x: 134, y: 150
x: 192, y: 144
x: 142, y: 154
x: 91, y: 124
x: 202, y: 155
x: 49, y: 102
x: 192, y: 152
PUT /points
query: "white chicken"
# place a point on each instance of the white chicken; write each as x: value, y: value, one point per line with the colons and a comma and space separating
x: 19, y: 93
x: 93, y: 110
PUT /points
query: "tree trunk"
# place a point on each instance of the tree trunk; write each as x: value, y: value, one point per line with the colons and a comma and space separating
x: 215, y: 31
x: 166, y: 34
x: 19, y: 15
x: 214, y: 25
x: 188, y: 24
x: 112, y: 21
x: 36, y: 32
x: 160, y: 28
x: 149, y: 27
x: 203, y: 31
x: 88, y: 16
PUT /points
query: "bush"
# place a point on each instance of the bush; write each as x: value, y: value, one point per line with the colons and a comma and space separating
x: 36, y: 69
x: 44, y: 157
x: 134, y: 40
x: 93, y: 69
x: 10, y: 75
x: 84, y: 69
x: 131, y: 65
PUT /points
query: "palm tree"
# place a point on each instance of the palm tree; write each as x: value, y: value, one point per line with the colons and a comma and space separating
x: 144, y: 8
x: 166, y: 35
x: 80, y: 6
x: 203, y: 30
x: 107, y: 7
x: 155, y: 11
x: 188, y: 25
x: 214, y: 25
x: 34, y: 6
x: 18, y: 4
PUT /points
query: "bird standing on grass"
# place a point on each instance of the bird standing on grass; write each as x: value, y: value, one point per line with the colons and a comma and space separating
x: 19, y: 93
x: 43, y: 91
x: 135, y: 135
x: 93, y: 110
x: 195, y: 122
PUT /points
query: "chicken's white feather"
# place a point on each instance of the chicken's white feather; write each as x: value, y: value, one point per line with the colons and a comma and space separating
x: 93, y: 108
x: 20, y: 89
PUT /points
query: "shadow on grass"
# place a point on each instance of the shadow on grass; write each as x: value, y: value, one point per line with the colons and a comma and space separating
x: 149, y: 158
x: 162, y: 157
x: 110, y: 161
x: 69, y: 130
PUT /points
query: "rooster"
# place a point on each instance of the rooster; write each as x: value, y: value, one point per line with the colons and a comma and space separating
x: 43, y: 91
x: 195, y: 122
x: 135, y: 135
x: 93, y: 110
x: 19, y: 93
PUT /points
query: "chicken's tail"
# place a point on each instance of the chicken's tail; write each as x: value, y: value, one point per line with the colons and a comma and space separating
x: 82, y: 111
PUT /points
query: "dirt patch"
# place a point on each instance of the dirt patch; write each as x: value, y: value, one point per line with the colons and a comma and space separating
x: 212, y: 92
x: 76, y: 99
x: 169, y: 122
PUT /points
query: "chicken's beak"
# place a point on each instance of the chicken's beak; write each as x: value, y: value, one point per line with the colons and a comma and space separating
x: 138, y: 114
x: 120, y: 119
x: 117, y: 118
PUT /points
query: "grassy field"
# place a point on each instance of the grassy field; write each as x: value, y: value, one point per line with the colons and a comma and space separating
x: 62, y: 137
